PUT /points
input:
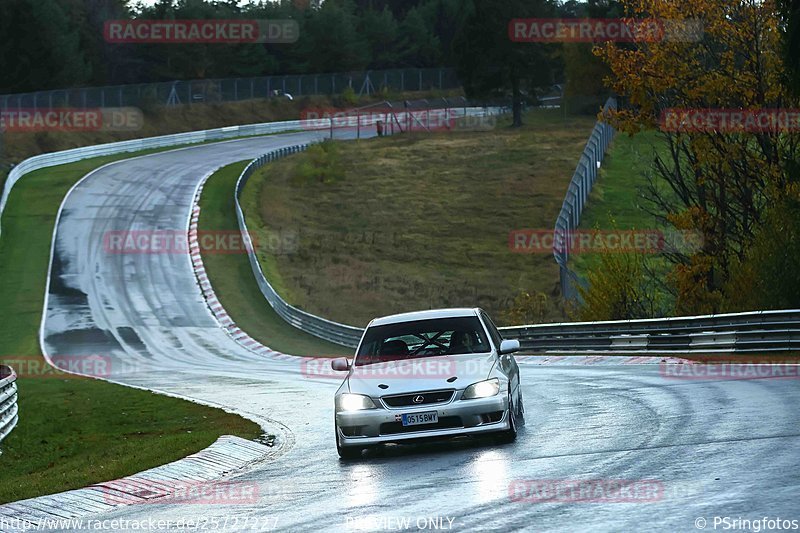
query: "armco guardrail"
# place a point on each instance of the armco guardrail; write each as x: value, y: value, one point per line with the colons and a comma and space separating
x: 77, y: 154
x: 569, y: 218
x: 320, y: 327
x: 757, y: 331
x: 8, y: 401
x: 325, y: 329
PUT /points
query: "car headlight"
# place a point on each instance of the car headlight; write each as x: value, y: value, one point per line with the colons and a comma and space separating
x: 482, y: 389
x: 354, y: 402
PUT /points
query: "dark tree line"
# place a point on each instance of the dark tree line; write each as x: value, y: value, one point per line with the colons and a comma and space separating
x: 50, y: 44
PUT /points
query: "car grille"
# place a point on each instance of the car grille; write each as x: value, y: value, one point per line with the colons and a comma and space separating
x: 445, y: 422
x: 430, y: 397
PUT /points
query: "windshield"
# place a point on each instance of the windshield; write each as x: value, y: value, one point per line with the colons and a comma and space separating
x: 422, y: 338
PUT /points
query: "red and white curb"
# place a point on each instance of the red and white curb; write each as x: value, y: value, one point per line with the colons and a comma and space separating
x: 599, y: 360
x: 226, y: 323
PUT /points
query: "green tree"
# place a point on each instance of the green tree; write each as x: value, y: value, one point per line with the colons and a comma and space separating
x: 584, y: 90
x: 380, y: 30
x: 201, y: 60
x: 790, y: 13
x: 110, y: 64
x: 491, y: 64
x: 332, y: 42
x: 40, y: 48
x: 419, y: 47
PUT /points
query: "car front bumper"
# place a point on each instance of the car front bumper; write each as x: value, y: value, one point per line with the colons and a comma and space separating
x: 458, y: 417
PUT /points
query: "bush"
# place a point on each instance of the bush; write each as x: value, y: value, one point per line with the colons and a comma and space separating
x: 620, y: 288
x: 349, y: 96
x: 527, y: 308
x: 322, y: 163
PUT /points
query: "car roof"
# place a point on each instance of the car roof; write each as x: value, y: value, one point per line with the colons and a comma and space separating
x: 425, y: 315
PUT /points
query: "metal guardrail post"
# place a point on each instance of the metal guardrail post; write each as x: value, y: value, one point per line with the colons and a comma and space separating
x: 577, y: 195
x: 9, y: 412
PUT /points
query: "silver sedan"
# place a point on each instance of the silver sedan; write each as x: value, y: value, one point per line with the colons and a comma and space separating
x: 438, y: 373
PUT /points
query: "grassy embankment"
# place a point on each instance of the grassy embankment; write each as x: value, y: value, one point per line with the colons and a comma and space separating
x: 233, y: 280
x: 416, y: 221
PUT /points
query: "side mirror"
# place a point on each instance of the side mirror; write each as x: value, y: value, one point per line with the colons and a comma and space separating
x: 341, y: 364
x: 509, y: 346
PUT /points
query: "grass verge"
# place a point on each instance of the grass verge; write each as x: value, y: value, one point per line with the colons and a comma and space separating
x: 615, y: 202
x: 234, y: 282
x: 74, y: 432
x: 416, y: 221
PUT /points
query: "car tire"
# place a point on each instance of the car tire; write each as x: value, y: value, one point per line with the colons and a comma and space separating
x: 510, y: 435
x: 346, y: 452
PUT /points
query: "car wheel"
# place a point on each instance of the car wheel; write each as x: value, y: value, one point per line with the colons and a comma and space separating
x: 346, y: 452
x: 510, y: 435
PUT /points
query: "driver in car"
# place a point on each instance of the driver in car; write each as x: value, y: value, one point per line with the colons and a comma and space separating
x: 461, y: 342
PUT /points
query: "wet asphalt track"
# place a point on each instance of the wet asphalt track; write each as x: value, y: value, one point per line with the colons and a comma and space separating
x: 711, y: 447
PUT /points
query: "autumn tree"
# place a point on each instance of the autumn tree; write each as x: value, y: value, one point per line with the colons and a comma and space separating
x: 716, y: 182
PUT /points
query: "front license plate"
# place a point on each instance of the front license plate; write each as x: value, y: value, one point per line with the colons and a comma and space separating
x: 417, y: 419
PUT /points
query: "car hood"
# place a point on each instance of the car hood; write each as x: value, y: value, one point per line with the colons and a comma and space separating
x: 421, y: 374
